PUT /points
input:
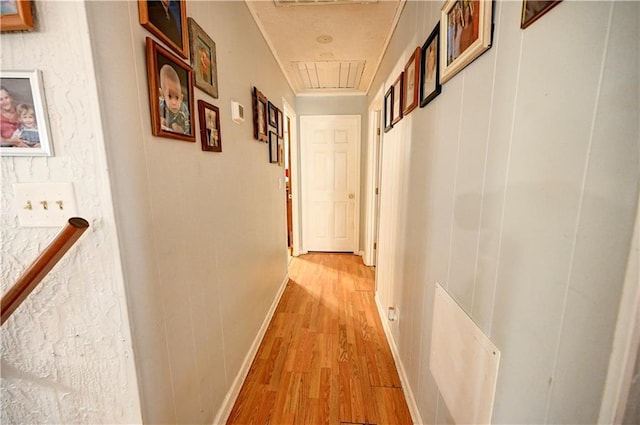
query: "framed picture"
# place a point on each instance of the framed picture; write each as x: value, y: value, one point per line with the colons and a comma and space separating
x: 259, y: 116
x: 273, y: 147
x: 429, y: 68
x: 280, y: 151
x: 388, y: 109
x: 203, y: 59
x: 167, y: 20
x: 532, y: 10
x: 465, y: 34
x: 210, y: 136
x: 15, y: 15
x: 280, y: 124
x: 396, y: 97
x: 170, y: 94
x: 273, y: 115
x: 25, y: 126
x: 411, y: 83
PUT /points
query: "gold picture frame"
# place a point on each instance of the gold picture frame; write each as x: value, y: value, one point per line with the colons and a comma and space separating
x: 203, y: 59
x: 16, y: 16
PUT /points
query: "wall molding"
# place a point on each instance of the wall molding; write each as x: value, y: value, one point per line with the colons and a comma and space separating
x: 234, y: 391
x: 404, y: 380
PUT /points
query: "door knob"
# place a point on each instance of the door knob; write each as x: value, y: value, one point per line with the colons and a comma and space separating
x: 352, y: 196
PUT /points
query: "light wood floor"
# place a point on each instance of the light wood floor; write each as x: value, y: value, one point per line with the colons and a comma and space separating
x: 324, y: 358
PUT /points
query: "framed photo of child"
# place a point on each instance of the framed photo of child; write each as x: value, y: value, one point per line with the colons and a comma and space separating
x: 167, y: 20
x: 24, y: 124
x: 170, y: 94
x: 210, y: 135
x: 203, y: 59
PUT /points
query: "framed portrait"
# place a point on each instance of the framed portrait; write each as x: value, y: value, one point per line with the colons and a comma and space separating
x: 280, y: 151
x: 203, y: 59
x: 532, y: 10
x: 210, y: 135
x: 170, y: 94
x: 259, y: 116
x: 167, y: 20
x: 273, y: 115
x: 388, y: 109
x: 16, y: 15
x: 430, y: 86
x: 280, y: 124
x: 396, y: 97
x: 25, y: 125
x: 411, y: 83
x: 273, y: 147
x: 465, y: 34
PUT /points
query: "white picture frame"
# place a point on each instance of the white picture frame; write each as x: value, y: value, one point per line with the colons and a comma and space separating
x: 26, y: 96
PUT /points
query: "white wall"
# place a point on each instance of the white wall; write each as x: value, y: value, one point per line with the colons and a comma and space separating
x: 516, y: 189
x: 203, y: 235
x: 66, y: 352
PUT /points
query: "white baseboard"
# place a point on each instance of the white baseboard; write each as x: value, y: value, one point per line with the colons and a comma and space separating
x: 404, y: 380
x: 234, y: 391
x: 361, y: 253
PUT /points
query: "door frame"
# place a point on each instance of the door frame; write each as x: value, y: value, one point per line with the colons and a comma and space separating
x: 374, y: 150
x: 356, y: 221
x: 294, y: 178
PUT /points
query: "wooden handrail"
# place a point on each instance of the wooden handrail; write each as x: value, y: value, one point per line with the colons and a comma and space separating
x: 12, y: 299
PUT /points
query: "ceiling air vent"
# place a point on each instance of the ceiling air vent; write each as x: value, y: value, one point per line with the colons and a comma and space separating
x: 287, y: 3
x: 330, y: 74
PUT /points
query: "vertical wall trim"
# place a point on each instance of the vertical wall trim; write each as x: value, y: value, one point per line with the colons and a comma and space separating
x: 506, y: 182
x: 585, y: 173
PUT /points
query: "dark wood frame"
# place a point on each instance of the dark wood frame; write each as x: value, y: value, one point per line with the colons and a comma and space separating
x: 280, y: 123
x: 181, y: 50
x: 433, y: 38
x: 196, y: 36
x: 260, y: 132
x: 273, y: 115
x: 388, y: 109
x: 413, y: 65
x: 21, y: 20
x: 396, y: 98
x: 204, y: 137
x: 273, y: 145
x: 524, y: 22
x: 153, y: 50
x: 472, y: 51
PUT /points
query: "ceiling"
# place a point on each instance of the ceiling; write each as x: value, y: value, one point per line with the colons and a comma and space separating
x: 327, y: 46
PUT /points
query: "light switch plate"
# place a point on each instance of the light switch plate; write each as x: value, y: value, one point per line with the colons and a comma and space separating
x: 45, y: 204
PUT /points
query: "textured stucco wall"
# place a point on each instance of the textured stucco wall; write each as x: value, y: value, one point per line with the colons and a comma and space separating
x: 66, y: 352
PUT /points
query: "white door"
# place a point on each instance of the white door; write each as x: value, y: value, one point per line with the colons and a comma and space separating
x: 330, y: 174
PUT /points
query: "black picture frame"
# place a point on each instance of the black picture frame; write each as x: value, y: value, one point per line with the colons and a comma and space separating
x: 280, y: 124
x: 388, y: 107
x: 430, y: 86
x: 273, y: 147
x: 397, y: 101
x: 273, y: 115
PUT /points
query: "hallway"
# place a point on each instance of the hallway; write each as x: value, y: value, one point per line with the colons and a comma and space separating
x: 324, y: 358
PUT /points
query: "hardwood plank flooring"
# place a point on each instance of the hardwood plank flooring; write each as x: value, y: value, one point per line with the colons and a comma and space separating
x: 324, y: 358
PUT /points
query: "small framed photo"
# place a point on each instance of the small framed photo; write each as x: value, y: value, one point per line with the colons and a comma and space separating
x: 203, y: 59
x: 273, y: 147
x: 280, y: 124
x: 167, y: 20
x: 388, y: 109
x: 273, y: 115
x: 259, y: 116
x: 15, y: 15
x: 210, y: 136
x: 465, y: 34
x: 280, y: 151
x: 411, y: 83
x: 170, y: 94
x: 532, y: 10
x: 396, y: 96
x: 430, y: 86
x: 25, y: 125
